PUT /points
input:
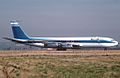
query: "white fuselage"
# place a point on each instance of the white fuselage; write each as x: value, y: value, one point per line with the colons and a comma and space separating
x: 79, y: 41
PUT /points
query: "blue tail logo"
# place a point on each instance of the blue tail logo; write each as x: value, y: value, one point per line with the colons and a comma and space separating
x: 17, y: 31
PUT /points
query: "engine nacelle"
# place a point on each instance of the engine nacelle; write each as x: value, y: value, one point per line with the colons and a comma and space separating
x: 57, y: 45
x: 51, y: 45
x: 75, y: 46
x: 65, y: 45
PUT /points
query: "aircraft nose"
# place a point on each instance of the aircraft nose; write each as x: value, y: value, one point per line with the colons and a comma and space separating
x: 116, y: 43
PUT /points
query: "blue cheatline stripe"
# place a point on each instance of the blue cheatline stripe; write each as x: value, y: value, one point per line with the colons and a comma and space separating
x: 79, y: 41
x: 84, y: 41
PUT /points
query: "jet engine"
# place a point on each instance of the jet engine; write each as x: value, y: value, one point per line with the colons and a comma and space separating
x: 51, y: 44
x: 57, y: 45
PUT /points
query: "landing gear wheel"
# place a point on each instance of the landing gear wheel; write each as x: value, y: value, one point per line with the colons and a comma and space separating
x: 105, y: 48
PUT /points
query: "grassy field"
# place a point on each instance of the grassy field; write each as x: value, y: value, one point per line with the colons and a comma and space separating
x: 83, y: 64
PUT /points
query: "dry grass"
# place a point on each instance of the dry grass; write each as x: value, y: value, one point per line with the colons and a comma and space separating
x: 61, y: 64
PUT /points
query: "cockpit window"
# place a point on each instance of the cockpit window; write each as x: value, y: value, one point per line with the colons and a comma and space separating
x: 112, y: 40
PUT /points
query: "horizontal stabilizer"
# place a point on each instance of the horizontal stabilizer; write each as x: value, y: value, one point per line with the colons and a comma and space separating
x: 24, y: 41
x: 15, y: 40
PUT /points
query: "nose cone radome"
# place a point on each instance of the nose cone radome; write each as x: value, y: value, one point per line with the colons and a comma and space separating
x: 116, y: 43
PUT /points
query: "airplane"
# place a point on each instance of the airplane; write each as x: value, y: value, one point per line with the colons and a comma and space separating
x: 60, y: 43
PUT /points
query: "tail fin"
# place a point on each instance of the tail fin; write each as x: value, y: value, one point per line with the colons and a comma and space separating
x: 17, y: 31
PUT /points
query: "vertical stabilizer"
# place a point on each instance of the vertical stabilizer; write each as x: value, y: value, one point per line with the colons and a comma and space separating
x: 17, y: 31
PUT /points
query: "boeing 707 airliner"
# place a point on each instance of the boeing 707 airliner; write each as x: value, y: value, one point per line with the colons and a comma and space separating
x: 60, y: 43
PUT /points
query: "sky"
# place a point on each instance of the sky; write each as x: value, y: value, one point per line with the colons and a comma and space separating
x: 73, y: 18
